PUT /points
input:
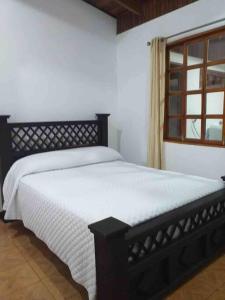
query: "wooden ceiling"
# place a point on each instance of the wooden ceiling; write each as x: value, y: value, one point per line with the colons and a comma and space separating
x: 130, y: 13
x: 117, y: 7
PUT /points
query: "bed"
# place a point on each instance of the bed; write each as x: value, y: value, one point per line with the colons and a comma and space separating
x: 92, y: 209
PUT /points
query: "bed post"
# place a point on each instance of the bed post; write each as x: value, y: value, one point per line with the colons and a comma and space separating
x: 5, y: 147
x: 5, y: 150
x: 111, y: 255
x: 103, y: 129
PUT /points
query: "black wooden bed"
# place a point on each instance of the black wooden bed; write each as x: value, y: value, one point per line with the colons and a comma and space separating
x: 143, y: 262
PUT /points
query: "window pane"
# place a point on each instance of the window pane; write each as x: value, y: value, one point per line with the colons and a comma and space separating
x: 195, y: 53
x: 176, y: 57
x: 175, y: 105
x: 176, y: 81
x: 193, y: 129
x: 216, y: 48
x: 194, y: 104
x: 214, y: 129
x: 216, y: 76
x: 214, y: 103
x: 194, y: 79
x: 174, y: 128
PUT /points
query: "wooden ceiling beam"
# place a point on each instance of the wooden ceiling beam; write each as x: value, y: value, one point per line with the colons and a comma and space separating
x: 133, y: 6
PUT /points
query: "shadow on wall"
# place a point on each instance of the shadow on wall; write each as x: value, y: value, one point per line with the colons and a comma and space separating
x: 66, y: 11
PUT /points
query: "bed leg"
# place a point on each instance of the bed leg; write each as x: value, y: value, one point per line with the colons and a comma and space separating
x: 111, y: 253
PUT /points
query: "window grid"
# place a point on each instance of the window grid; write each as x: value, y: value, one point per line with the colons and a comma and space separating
x: 184, y: 92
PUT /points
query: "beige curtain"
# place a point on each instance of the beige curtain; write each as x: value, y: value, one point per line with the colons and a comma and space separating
x: 157, y: 100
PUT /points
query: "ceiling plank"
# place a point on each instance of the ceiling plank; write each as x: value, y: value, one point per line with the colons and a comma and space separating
x: 151, y: 9
x: 133, y: 6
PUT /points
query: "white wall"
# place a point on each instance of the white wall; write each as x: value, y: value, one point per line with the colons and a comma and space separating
x: 133, y: 80
x: 57, y: 60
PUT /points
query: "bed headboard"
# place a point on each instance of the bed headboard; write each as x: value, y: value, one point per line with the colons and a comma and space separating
x: 18, y: 140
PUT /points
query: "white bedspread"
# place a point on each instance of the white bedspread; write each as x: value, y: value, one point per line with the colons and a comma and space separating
x: 59, y: 195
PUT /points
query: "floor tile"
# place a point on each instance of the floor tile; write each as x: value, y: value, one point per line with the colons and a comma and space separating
x: 11, y: 258
x: 214, y: 277
x: 218, y: 295
x: 61, y: 287
x: 219, y: 264
x: 5, y: 242
x: 16, y: 278
x: 34, y: 292
x: 181, y: 294
x: 44, y: 262
x: 200, y: 287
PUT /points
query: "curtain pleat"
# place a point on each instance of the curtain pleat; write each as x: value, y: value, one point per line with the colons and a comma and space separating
x: 157, y: 103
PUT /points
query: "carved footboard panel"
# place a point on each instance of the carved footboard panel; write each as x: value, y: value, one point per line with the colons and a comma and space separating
x: 149, y: 260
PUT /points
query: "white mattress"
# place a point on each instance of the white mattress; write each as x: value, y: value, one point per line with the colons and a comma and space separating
x: 58, y: 205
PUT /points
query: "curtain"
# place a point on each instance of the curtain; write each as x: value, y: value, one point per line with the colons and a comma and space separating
x: 157, y: 101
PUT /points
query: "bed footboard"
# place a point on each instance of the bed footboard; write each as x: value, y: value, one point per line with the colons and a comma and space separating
x: 149, y: 260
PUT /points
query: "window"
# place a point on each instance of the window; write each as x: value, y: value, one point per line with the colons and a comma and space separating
x: 195, y: 93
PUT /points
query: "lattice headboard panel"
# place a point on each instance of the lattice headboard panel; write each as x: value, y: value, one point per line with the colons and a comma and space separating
x: 21, y: 139
x: 39, y: 137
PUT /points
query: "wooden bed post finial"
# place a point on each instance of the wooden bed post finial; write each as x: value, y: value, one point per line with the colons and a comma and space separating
x: 4, y: 119
x: 103, y: 129
x: 111, y: 255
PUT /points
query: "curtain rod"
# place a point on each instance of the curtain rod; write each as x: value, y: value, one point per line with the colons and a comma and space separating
x: 191, y: 29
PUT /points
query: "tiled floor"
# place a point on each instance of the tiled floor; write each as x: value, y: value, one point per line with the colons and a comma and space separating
x: 29, y: 271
